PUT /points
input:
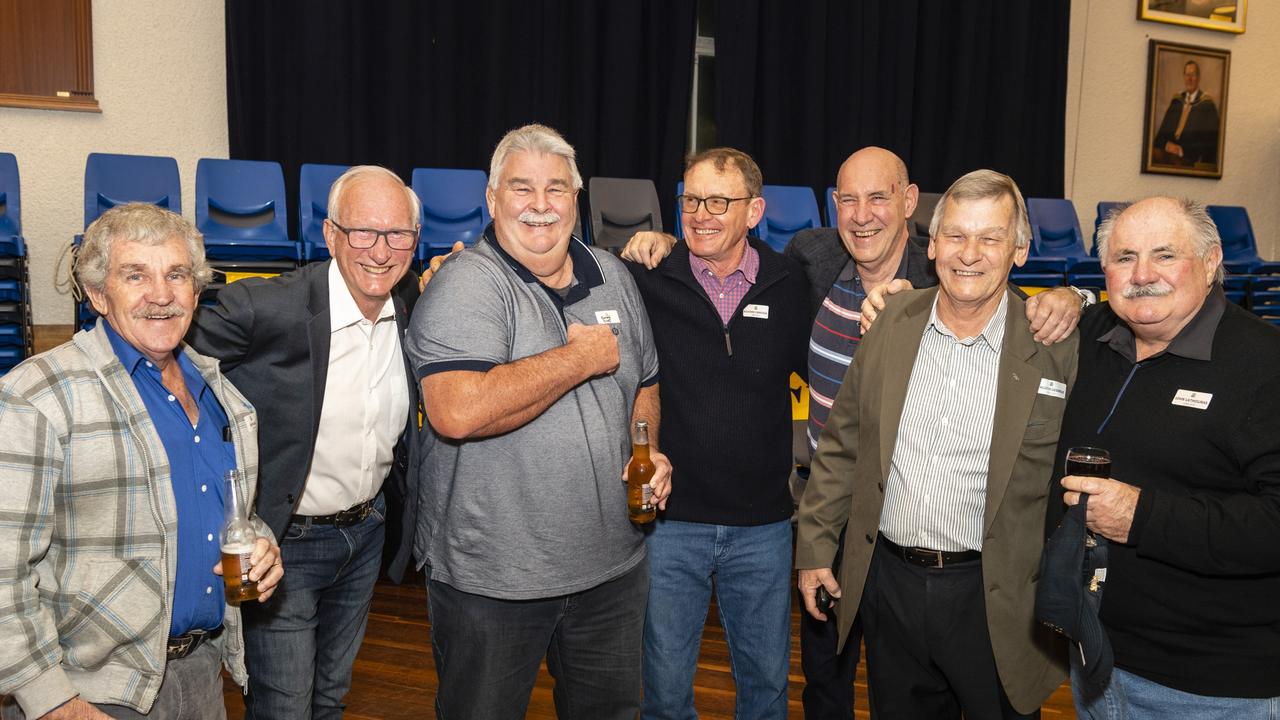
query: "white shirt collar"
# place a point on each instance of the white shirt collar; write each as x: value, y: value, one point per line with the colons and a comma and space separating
x: 343, y: 311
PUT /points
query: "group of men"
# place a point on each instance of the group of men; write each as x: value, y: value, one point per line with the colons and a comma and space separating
x: 936, y: 459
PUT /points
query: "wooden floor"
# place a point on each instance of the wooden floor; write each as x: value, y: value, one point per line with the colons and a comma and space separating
x: 394, y: 676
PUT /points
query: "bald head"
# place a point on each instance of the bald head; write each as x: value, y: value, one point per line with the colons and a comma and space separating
x: 875, y: 159
x: 873, y: 201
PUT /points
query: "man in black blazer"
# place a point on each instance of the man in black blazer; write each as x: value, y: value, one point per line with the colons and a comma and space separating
x: 318, y: 351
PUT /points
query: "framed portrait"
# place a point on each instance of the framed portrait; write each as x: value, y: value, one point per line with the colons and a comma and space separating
x: 1223, y: 15
x: 1186, y: 109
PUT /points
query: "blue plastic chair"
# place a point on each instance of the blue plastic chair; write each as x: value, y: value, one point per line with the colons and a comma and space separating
x: 1056, y: 237
x: 788, y: 209
x: 1104, y: 209
x: 241, y: 209
x: 11, y: 242
x: 833, y: 214
x: 453, y: 208
x: 313, y: 207
x: 1239, y: 246
x: 111, y: 180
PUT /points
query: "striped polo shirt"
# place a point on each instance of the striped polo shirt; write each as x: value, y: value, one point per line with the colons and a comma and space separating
x: 832, y: 343
x: 937, y: 489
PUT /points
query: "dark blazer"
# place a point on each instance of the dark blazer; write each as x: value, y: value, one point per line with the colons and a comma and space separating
x: 272, y: 337
x: 851, y: 468
x: 822, y: 254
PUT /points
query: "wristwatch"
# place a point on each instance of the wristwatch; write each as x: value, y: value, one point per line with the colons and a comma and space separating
x: 1087, y: 297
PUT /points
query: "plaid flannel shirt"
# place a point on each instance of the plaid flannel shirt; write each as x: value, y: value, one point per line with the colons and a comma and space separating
x: 88, y: 529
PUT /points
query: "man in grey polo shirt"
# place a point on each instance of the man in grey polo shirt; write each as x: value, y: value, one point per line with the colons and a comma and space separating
x: 535, y: 356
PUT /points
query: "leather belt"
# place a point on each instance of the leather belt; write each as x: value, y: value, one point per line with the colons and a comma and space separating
x: 924, y: 557
x: 183, y: 645
x: 350, y: 516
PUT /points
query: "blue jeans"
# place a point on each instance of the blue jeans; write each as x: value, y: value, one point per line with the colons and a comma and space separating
x: 751, y: 568
x: 300, y: 644
x: 487, y: 650
x: 1129, y: 697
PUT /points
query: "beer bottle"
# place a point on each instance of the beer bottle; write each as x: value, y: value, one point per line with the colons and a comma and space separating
x: 237, y: 539
x: 639, y: 473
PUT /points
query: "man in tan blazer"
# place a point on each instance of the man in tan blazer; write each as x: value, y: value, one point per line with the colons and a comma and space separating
x: 954, y: 412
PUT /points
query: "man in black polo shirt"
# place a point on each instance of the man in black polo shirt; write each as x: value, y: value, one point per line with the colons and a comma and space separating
x: 1182, y: 387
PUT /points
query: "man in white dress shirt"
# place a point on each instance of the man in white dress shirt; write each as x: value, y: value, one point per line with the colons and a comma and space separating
x: 318, y: 353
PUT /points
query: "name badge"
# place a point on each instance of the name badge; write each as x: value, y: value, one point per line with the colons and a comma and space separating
x: 1052, y: 388
x: 756, y: 311
x: 608, y: 317
x: 1192, y: 399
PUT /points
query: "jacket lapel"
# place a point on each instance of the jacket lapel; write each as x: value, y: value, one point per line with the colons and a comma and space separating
x: 1016, y: 388
x: 318, y: 339
x: 902, y: 343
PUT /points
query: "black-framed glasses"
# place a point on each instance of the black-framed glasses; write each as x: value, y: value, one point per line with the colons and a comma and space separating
x: 715, y: 205
x: 365, y: 238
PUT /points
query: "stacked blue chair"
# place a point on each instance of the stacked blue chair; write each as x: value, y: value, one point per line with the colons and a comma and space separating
x: 788, y: 209
x: 313, y: 207
x: 1057, y: 245
x: 1264, y: 298
x: 833, y: 213
x: 1239, y: 246
x: 111, y: 180
x: 453, y: 208
x: 15, y: 305
x: 241, y: 210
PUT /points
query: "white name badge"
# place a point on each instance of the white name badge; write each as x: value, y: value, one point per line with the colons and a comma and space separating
x: 608, y: 317
x: 1192, y: 399
x: 1052, y: 388
x: 756, y: 311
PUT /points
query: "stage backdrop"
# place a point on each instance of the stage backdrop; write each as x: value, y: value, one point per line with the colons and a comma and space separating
x: 434, y: 83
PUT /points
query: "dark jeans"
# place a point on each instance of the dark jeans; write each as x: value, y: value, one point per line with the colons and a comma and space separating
x: 191, y: 690
x: 487, y: 650
x: 300, y: 645
x: 928, y: 647
x: 828, y: 675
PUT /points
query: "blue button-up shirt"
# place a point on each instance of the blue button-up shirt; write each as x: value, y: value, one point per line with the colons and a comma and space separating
x: 199, y: 458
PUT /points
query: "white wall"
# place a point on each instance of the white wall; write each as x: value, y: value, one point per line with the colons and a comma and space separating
x: 160, y: 78
x: 1107, y: 76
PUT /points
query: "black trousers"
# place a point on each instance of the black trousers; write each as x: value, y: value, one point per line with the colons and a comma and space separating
x: 928, y: 647
x: 828, y: 675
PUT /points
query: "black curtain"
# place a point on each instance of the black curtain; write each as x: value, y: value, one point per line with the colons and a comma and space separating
x: 436, y: 83
x: 948, y: 86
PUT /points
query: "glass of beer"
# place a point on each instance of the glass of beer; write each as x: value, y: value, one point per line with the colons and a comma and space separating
x: 238, y: 539
x: 1088, y: 462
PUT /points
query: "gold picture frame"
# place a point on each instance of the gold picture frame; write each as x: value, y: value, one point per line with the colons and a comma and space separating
x: 1220, y: 15
x: 1184, y: 131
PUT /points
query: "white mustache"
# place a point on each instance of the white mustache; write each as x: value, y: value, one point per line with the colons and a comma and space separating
x: 550, y: 217
x: 1159, y: 289
x: 158, y: 311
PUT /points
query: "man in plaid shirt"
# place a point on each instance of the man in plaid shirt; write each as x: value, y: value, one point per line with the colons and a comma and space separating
x: 111, y: 463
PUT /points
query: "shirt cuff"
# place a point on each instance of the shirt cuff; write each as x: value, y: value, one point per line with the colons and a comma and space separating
x: 50, y: 690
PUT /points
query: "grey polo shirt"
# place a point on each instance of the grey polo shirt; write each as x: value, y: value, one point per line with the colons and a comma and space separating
x: 539, y: 511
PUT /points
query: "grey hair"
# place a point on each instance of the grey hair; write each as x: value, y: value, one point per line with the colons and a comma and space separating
x: 536, y: 139
x: 137, y: 222
x: 980, y: 185
x: 1202, y: 229
x: 360, y: 172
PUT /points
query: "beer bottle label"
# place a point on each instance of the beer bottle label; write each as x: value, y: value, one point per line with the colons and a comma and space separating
x: 646, y: 502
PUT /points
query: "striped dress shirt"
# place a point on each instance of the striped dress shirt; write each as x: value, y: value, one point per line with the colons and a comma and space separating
x: 937, y: 490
